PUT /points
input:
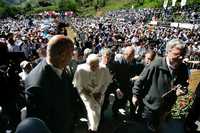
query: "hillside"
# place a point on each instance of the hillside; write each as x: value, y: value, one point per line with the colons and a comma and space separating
x: 13, y: 1
x: 80, y: 7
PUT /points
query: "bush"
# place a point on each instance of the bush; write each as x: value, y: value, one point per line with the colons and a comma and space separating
x: 42, y: 9
x: 71, y: 5
x: 64, y: 5
x: 181, y: 108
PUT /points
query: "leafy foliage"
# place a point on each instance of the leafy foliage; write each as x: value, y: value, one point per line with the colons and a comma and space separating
x: 181, y: 108
x: 6, y: 10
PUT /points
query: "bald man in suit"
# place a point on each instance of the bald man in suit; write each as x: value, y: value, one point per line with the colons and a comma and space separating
x: 50, y: 94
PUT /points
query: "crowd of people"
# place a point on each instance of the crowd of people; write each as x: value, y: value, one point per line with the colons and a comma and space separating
x: 119, y: 55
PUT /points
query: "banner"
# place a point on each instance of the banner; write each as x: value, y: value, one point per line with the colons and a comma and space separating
x: 183, y: 3
x: 186, y: 25
x: 165, y: 4
x: 174, y: 2
x: 174, y: 24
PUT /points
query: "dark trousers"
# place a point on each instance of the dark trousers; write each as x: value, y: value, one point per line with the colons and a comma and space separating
x: 121, y: 103
x: 193, y: 115
x: 10, y: 117
x: 194, y: 112
x: 152, y: 118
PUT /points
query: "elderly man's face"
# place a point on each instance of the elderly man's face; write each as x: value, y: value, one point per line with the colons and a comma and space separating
x: 148, y: 58
x: 175, y: 56
x: 129, y: 55
x: 94, y: 65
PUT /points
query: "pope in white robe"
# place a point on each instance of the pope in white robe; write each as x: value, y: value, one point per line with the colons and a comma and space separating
x: 91, y: 80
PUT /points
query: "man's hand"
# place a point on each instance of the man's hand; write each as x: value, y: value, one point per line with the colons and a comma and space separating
x: 119, y: 93
x: 86, y: 91
x: 134, y: 78
x: 97, y: 96
x: 134, y: 100
x: 180, y: 92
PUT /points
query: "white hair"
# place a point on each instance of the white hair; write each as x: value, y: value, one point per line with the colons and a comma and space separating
x: 92, y: 58
x: 87, y: 51
x: 175, y: 43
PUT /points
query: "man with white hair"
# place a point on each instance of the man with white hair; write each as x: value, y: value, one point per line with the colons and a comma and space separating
x: 159, y: 85
x: 91, y: 80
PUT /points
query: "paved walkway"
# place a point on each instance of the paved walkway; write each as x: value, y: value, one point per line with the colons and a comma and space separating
x: 122, y: 125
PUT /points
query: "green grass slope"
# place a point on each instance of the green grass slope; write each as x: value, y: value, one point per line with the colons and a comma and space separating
x: 86, y: 7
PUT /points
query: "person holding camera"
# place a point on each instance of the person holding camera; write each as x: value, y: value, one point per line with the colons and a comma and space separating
x: 158, y: 86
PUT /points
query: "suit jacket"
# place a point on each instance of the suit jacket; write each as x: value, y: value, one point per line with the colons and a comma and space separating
x: 50, y: 98
x: 156, y: 80
x: 194, y: 111
x: 123, y: 72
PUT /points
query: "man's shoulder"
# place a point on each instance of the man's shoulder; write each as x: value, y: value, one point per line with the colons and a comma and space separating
x: 38, y: 69
x: 158, y: 62
x: 183, y: 67
x: 37, y: 75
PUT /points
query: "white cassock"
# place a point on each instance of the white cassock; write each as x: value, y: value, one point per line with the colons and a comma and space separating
x: 96, y: 82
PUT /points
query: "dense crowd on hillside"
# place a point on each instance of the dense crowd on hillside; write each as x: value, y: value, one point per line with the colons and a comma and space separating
x: 23, y: 44
x: 124, y: 27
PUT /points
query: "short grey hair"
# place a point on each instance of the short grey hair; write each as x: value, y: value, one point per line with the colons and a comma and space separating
x: 175, y: 43
x: 92, y: 58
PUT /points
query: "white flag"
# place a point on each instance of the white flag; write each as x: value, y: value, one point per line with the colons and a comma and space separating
x: 183, y: 3
x: 174, y: 2
x: 165, y: 3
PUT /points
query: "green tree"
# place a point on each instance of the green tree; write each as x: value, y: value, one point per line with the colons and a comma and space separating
x: 28, y: 7
x: 61, y: 5
x: 103, y: 3
x: 64, y: 5
x: 3, y: 9
x: 71, y: 5
x: 13, y: 10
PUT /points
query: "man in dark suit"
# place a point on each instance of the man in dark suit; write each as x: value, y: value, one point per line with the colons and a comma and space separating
x: 154, y: 90
x: 50, y: 94
x: 194, y: 113
x: 123, y: 70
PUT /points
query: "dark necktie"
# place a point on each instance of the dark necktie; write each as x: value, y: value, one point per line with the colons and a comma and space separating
x: 64, y: 75
x: 174, y: 78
